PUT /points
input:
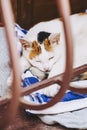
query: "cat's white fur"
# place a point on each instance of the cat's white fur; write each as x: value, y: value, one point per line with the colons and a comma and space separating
x: 79, y: 31
x: 57, y: 64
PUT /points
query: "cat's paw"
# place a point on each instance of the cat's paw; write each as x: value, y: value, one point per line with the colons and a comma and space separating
x: 52, y: 90
x: 24, y: 64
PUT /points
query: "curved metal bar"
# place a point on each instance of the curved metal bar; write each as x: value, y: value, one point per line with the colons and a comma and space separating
x: 9, y: 28
x: 24, y: 91
x: 55, y: 79
x: 64, y: 10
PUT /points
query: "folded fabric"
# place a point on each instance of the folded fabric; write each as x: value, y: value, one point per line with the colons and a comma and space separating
x: 74, y: 119
x: 20, y: 32
x: 71, y: 100
x: 29, y: 79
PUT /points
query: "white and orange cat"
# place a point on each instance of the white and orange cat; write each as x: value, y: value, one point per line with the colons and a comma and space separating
x: 49, y: 57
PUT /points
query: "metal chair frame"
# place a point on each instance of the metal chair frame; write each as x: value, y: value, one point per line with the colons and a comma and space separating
x: 17, y: 92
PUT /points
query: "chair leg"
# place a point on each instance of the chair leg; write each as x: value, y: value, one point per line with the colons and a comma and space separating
x: 11, y: 40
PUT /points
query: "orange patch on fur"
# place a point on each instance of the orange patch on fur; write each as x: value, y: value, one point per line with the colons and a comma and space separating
x: 47, y: 45
x: 36, y: 50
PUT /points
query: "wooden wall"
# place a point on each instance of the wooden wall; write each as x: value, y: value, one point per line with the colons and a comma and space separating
x: 78, y: 5
x: 29, y: 12
x: 14, y: 7
x: 44, y: 10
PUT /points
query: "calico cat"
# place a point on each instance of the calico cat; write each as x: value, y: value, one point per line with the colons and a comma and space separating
x: 33, y: 53
x: 48, y: 55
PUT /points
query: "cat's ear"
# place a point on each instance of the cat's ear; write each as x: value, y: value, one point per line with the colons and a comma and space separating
x: 36, y: 47
x: 25, y: 44
x: 54, y: 38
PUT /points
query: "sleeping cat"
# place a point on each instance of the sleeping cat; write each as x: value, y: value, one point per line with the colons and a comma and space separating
x: 49, y: 55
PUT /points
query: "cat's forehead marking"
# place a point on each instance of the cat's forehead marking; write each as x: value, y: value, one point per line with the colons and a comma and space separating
x: 47, y: 45
x: 35, y: 50
x: 34, y: 45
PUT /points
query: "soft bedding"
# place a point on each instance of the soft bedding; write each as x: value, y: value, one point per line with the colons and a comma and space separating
x: 4, y: 63
x: 71, y: 100
x: 67, y: 112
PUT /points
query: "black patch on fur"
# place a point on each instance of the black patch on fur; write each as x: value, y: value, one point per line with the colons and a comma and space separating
x: 42, y: 36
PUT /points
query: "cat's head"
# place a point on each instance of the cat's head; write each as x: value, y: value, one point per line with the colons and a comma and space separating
x: 42, y: 55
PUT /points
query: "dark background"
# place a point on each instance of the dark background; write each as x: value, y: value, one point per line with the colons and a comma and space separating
x: 30, y: 12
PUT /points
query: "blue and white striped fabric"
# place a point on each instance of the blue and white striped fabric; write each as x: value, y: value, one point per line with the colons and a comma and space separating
x: 20, y: 32
x: 38, y: 97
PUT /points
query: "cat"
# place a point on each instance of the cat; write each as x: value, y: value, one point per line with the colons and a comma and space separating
x: 49, y: 55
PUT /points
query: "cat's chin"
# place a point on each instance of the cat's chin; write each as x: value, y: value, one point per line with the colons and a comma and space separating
x: 40, y: 74
x: 52, y: 90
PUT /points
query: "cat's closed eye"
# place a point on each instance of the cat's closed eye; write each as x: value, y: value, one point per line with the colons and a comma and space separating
x: 51, y: 57
x: 38, y: 61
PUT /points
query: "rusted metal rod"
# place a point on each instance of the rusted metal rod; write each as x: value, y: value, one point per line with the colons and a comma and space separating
x: 8, y: 20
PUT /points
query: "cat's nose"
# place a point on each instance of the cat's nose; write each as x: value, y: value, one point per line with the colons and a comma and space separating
x: 46, y: 69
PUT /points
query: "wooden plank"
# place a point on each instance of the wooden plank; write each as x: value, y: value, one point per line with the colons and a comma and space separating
x: 44, y: 11
x: 78, y: 6
x: 14, y: 7
x: 24, y: 13
x: 29, y: 12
